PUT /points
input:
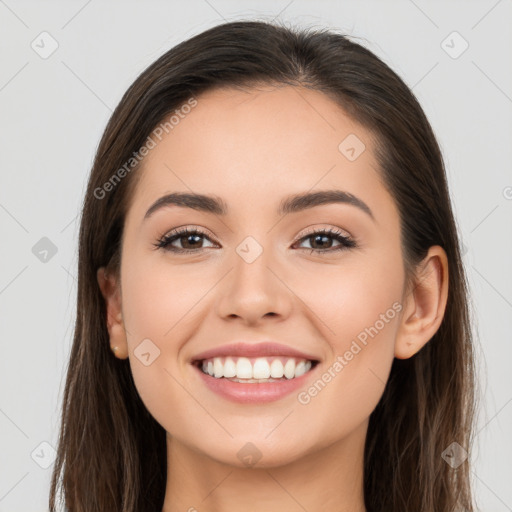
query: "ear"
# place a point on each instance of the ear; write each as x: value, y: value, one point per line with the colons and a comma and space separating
x: 111, y: 292
x: 424, y: 305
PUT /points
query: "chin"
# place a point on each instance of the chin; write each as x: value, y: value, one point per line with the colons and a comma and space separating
x: 258, y: 454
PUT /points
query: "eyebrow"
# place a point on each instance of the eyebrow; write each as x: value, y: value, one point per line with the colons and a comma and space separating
x: 291, y: 204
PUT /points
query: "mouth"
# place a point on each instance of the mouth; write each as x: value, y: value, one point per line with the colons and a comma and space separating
x: 255, y: 370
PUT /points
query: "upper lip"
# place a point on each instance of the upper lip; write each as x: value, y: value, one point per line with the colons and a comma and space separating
x: 262, y: 349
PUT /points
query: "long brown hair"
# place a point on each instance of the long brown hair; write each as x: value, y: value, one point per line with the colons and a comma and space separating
x: 112, y: 453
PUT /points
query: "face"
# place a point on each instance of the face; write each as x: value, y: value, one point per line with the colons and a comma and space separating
x: 255, y: 274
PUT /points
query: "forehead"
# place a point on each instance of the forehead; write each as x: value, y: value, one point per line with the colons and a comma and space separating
x: 250, y: 145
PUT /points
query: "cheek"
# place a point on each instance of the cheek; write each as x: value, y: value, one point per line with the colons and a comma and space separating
x: 159, y: 298
x: 163, y: 303
x: 358, y: 304
x: 355, y: 298
x: 365, y: 307
x: 360, y: 313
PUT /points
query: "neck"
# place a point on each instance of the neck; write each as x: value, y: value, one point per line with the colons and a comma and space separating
x: 327, y: 480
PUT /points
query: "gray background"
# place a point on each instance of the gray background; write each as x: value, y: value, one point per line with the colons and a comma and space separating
x: 54, y: 109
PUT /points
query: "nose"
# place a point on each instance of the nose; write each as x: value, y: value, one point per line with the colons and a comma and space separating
x: 254, y: 290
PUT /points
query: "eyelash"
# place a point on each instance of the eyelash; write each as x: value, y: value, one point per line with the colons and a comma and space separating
x: 165, y: 241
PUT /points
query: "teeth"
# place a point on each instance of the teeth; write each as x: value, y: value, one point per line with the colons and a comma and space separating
x: 261, y: 369
x: 229, y: 368
x: 300, y: 369
x: 289, y: 369
x: 218, y: 369
x: 276, y: 369
x: 243, y: 368
x: 254, y: 381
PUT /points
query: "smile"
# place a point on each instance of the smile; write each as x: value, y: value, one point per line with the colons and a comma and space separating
x: 256, y: 369
x: 254, y: 380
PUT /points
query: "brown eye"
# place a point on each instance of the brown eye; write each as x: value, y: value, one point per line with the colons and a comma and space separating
x: 321, y: 241
x: 190, y: 240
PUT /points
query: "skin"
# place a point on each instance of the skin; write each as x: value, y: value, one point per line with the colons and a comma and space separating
x: 252, y: 148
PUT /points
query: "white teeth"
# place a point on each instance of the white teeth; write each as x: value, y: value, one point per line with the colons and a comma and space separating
x: 229, y: 368
x: 243, y: 368
x: 218, y: 368
x: 252, y: 381
x: 261, y: 369
x: 302, y: 368
x: 276, y: 369
x: 255, y: 370
x: 289, y: 369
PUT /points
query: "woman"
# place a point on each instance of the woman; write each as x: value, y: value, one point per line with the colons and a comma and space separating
x: 272, y: 308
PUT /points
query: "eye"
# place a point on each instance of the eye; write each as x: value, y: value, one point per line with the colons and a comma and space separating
x: 321, y: 238
x: 190, y: 240
x: 186, y: 236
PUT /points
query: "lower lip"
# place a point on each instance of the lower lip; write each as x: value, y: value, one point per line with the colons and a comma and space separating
x: 256, y: 392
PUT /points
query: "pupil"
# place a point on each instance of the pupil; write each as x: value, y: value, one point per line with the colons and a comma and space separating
x: 320, y: 237
x: 190, y: 237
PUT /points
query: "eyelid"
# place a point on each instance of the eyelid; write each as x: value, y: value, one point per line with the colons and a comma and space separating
x: 346, y: 240
x: 309, y: 230
x: 188, y: 228
x: 179, y: 231
x: 326, y: 227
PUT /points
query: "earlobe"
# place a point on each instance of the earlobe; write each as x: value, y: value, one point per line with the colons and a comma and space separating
x: 111, y: 293
x: 425, y: 304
